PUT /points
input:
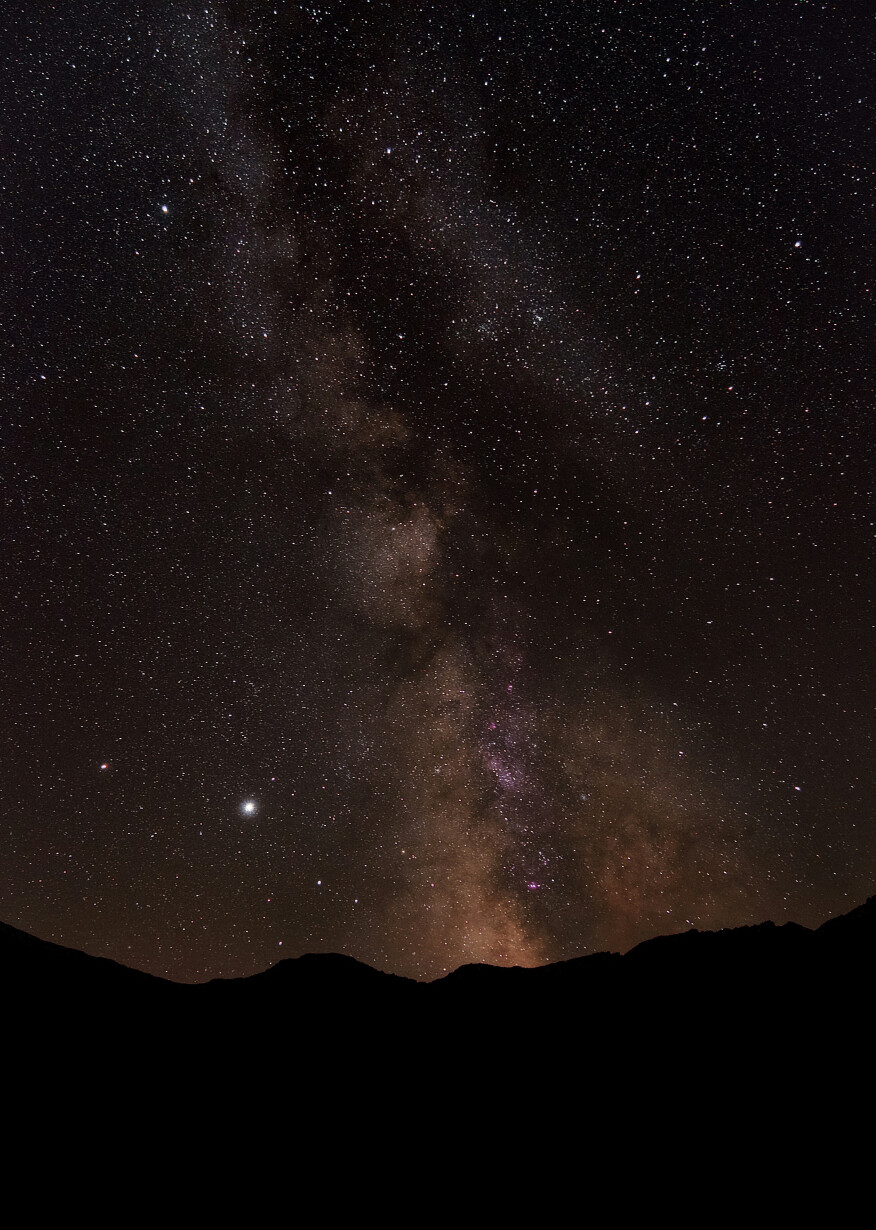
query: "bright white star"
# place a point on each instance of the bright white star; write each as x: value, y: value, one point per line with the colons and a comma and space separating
x: 249, y: 807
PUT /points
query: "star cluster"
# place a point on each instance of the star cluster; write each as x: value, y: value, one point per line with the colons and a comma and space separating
x: 436, y: 519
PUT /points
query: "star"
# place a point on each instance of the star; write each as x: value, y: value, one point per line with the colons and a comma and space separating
x: 249, y: 807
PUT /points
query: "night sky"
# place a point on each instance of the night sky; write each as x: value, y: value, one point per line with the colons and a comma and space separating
x: 435, y: 477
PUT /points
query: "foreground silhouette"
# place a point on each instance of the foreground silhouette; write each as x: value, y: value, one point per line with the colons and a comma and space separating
x: 690, y: 1064
x: 689, y: 992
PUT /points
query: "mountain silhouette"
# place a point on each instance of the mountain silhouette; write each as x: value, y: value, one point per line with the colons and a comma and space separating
x: 687, y: 1051
x: 782, y: 974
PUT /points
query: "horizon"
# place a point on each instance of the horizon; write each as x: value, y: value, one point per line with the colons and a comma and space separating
x: 231, y: 977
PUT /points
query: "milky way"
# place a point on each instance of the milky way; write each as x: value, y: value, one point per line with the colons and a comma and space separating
x: 436, y: 515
